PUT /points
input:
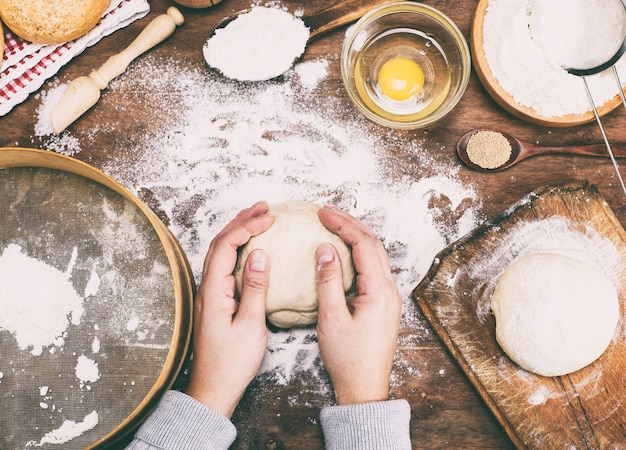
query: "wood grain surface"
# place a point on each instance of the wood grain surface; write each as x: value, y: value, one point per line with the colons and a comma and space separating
x: 447, y: 410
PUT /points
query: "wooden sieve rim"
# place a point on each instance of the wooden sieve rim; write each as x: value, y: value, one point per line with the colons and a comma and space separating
x: 505, y: 99
x: 184, y: 286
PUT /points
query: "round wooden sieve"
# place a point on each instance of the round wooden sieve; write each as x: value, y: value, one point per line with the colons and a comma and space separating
x: 135, y: 287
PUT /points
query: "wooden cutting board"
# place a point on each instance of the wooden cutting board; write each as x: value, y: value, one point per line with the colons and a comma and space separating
x: 583, y: 410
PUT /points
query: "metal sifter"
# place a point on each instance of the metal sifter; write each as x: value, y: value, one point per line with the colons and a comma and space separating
x: 585, y: 41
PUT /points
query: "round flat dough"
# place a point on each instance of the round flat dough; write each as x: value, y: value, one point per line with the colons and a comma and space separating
x: 554, y: 314
x: 291, y: 242
x: 51, y: 21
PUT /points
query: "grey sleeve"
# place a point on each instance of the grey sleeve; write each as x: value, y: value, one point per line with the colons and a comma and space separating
x: 181, y: 422
x: 376, y: 425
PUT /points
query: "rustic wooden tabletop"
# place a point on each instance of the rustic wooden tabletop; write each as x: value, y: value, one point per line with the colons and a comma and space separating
x: 446, y: 410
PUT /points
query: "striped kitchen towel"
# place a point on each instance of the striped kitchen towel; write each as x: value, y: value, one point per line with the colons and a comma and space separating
x: 26, y: 66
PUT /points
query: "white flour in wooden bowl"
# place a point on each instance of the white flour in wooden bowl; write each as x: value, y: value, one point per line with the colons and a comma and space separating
x: 518, y: 61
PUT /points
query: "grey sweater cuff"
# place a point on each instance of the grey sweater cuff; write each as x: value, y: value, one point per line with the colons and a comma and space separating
x: 196, y: 426
x: 376, y: 425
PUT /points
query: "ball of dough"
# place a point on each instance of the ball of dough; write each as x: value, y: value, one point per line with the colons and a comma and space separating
x: 290, y: 243
x: 554, y: 314
x: 51, y: 21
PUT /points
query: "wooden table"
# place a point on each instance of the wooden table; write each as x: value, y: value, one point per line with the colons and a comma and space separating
x: 446, y: 411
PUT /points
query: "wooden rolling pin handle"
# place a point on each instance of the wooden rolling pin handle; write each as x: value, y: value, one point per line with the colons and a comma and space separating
x: 155, y: 32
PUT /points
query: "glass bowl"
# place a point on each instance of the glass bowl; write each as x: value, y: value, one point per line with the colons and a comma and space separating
x: 405, y: 65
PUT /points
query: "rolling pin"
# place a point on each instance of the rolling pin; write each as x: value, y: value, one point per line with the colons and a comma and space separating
x: 84, y: 92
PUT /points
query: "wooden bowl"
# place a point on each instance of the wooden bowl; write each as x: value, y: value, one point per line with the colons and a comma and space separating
x: 505, y: 99
x: 139, y: 314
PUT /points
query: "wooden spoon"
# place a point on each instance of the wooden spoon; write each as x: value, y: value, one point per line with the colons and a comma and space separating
x: 521, y: 150
x: 319, y: 22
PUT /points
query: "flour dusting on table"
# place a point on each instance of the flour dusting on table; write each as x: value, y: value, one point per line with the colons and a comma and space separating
x: 39, y: 316
x: 221, y: 145
x: 69, y: 430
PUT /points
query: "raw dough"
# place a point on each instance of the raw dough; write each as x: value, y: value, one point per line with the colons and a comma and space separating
x: 51, y: 21
x: 554, y: 314
x: 291, y: 242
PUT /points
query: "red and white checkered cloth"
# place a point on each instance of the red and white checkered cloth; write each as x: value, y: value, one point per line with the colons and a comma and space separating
x: 26, y: 66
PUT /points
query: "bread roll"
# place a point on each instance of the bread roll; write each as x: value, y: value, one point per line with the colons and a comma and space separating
x: 51, y: 21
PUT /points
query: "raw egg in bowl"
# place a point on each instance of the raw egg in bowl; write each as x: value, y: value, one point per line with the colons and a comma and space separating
x: 405, y: 65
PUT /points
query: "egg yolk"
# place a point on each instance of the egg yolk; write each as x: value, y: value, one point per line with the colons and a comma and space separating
x: 400, y: 78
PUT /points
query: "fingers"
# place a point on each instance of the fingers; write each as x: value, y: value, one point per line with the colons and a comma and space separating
x: 254, y: 289
x: 368, y: 254
x: 216, y: 294
x: 223, y: 249
x: 357, y: 340
x: 329, y: 279
x: 230, y: 338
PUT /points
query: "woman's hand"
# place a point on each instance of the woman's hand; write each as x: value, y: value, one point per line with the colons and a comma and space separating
x: 357, y: 339
x: 230, y: 337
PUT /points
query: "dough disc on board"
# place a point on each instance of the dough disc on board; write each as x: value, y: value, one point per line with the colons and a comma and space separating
x: 291, y: 242
x: 554, y: 314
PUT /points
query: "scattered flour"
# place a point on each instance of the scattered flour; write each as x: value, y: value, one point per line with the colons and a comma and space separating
x: 257, y: 45
x: 517, y: 59
x: 38, y: 302
x: 312, y: 72
x: 95, y: 346
x: 87, y: 370
x: 66, y: 143
x: 132, y: 324
x: 68, y: 431
x: 539, y: 396
x: 223, y: 145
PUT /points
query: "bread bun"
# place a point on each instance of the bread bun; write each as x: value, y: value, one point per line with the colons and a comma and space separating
x: 51, y: 21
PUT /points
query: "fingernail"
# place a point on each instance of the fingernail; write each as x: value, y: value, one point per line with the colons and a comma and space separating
x: 325, y: 254
x: 257, y: 261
